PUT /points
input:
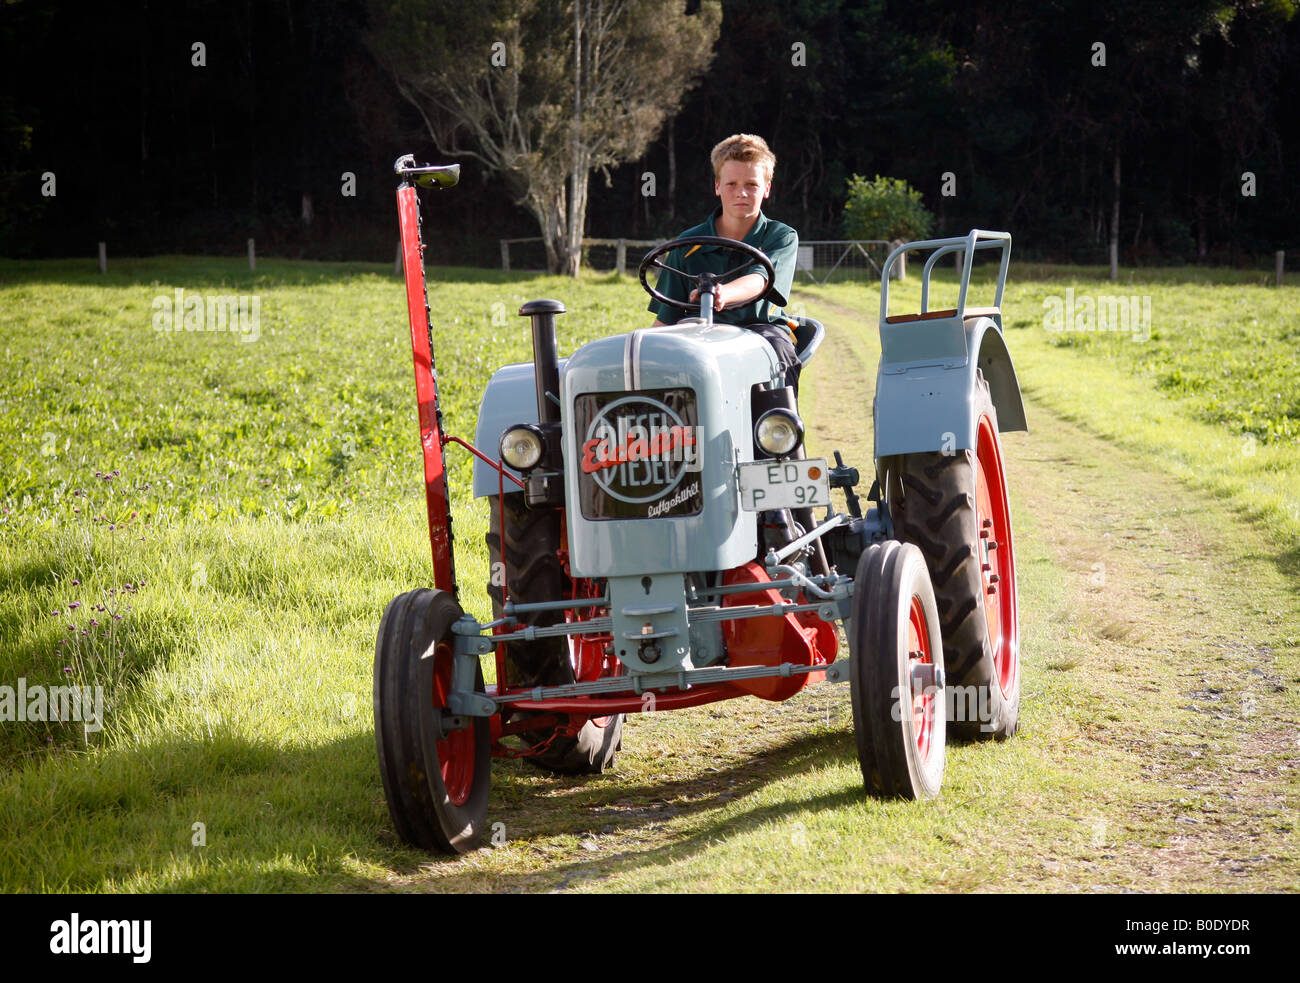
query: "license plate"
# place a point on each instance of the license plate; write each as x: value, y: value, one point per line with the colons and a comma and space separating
x: 784, y: 485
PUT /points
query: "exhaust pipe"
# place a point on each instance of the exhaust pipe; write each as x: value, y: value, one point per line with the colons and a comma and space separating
x: 546, y: 487
x: 546, y: 360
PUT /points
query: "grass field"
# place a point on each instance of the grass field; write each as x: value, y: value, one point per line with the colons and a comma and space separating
x: 209, y: 528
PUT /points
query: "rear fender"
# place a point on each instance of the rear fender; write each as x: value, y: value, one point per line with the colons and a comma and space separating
x: 926, y: 404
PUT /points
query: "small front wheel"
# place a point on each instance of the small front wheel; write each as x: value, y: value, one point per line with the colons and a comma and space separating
x: 435, y: 777
x: 896, y: 673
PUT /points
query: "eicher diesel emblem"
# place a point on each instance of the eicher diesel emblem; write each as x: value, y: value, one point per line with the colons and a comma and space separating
x: 639, y: 454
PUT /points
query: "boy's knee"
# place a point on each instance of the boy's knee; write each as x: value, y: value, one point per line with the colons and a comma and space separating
x: 786, y: 356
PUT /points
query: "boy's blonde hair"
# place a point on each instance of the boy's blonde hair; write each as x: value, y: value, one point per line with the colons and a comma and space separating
x: 746, y: 148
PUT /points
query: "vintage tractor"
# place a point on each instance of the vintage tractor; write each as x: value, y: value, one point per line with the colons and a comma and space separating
x: 653, y: 545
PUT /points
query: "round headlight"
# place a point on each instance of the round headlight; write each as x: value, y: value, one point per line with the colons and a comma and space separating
x: 779, y: 432
x: 521, y: 447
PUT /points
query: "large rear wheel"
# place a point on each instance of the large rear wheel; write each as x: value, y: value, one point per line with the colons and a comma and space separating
x: 533, y: 572
x: 955, y: 508
x: 435, y: 777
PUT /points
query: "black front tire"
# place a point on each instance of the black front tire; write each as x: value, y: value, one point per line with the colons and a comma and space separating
x: 900, y: 736
x: 436, y: 783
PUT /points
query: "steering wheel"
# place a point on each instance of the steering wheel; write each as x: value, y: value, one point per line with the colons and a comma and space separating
x: 705, y: 282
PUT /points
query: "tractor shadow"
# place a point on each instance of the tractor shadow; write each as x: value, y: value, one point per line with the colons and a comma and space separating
x: 278, y: 820
x: 621, y: 816
x: 313, y: 818
x: 272, y: 811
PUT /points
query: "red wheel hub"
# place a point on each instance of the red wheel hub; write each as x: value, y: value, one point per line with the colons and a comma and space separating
x: 456, y: 750
x: 918, y: 649
x: 996, y: 556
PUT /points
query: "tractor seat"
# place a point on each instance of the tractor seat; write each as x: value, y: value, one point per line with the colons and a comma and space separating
x: 808, y: 335
x: 951, y: 312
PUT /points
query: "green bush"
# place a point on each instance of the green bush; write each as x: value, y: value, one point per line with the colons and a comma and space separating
x: 885, y: 208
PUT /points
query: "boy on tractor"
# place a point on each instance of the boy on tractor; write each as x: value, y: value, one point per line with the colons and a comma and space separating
x: 743, y: 166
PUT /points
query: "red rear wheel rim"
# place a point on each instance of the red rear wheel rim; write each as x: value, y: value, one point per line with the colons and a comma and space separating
x: 588, y: 653
x: 997, y: 556
x: 918, y: 654
x: 456, y: 750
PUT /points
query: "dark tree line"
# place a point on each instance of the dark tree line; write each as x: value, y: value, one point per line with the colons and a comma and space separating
x: 156, y: 153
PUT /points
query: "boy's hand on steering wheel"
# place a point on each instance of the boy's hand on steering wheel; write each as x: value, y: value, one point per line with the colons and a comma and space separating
x: 719, y: 300
x: 725, y: 293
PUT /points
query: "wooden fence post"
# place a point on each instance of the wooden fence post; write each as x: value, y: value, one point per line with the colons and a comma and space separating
x: 103, y: 257
x: 505, y: 256
x: 901, y: 265
x: 1279, y: 261
x: 252, y: 255
x: 620, y: 257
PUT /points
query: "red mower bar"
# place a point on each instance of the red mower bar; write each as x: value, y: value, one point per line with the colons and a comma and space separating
x: 426, y: 388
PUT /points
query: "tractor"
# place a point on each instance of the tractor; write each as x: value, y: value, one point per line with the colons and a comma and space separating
x: 659, y: 539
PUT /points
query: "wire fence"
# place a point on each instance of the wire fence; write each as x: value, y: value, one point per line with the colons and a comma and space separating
x: 601, y: 255
x: 819, y: 260
x: 841, y: 260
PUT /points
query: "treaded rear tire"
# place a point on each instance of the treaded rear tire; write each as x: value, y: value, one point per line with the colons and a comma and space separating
x: 937, y: 511
x: 534, y: 573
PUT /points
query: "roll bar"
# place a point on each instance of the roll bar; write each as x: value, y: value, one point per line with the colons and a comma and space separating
x: 973, y: 240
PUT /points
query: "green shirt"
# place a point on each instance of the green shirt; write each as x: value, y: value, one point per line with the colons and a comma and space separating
x: 779, y: 241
